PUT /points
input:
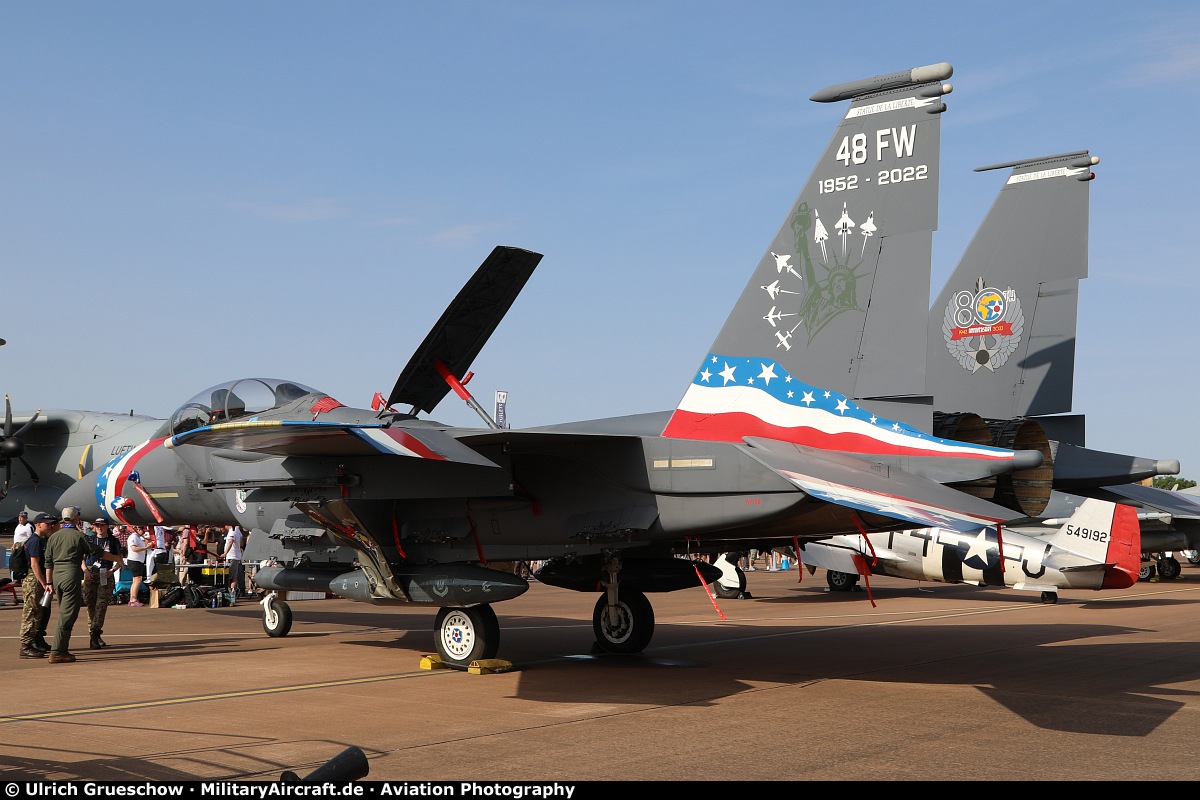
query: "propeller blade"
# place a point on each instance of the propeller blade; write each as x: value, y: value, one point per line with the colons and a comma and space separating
x: 24, y: 427
x: 33, y: 476
x: 7, y: 416
x: 7, y: 475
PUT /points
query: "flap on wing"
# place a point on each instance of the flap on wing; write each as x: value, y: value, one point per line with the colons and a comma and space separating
x: 876, y: 488
x: 289, y: 437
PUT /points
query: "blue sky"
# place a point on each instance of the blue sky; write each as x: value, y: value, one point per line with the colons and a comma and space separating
x: 194, y: 192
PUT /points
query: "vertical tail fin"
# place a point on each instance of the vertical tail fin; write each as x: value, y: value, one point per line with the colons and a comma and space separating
x: 1002, y: 330
x: 1108, y: 533
x: 798, y: 358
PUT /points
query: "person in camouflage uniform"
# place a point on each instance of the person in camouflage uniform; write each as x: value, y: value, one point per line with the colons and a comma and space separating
x: 36, y: 617
x: 64, y: 555
x: 99, y: 579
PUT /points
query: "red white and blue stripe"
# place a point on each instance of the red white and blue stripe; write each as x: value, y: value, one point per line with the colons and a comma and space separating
x: 733, y: 397
x: 110, y: 483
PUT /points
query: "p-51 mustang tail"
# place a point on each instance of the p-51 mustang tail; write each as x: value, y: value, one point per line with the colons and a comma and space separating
x: 1098, y: 547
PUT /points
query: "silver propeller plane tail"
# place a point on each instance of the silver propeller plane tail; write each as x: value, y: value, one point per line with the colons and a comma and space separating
x: 1097, y: 547
x: 769, y: 442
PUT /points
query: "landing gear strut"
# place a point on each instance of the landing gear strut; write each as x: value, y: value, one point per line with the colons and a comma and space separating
x: 624, y: 622
x: 277, y: 616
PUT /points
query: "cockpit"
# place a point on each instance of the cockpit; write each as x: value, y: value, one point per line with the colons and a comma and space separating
x: 240, y: 399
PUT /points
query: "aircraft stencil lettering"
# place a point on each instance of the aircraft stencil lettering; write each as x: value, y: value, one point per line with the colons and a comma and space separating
x: 983, y: 328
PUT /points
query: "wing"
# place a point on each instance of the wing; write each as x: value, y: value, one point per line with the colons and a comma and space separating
x: 288, y: 437
x: 876, y: 488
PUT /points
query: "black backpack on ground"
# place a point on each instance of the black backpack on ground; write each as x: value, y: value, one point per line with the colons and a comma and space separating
x: 18, y: 562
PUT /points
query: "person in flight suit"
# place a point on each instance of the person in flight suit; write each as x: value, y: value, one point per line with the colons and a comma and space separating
x: 35, y: 615
x: 64, y: 555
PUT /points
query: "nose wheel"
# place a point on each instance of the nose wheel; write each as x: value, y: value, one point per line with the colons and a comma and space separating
x: 277, y: 616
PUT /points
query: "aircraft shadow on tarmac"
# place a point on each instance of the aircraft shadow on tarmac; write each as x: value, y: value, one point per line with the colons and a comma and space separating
x: 1032, y: 670
x: 1051, y: 675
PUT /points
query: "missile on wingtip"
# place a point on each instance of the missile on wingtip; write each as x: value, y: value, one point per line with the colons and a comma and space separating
x: 895, y: 80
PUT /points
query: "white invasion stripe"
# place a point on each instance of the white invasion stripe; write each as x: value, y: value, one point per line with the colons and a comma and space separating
x: 1046, y: 173
x: 890, y: 105
x: 385, y: 442
x: 757, y: 403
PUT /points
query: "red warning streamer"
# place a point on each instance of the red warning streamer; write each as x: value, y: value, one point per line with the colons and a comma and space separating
x: 711, y: 597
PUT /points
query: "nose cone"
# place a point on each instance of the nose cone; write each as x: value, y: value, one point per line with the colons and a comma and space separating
x: 82, y: 493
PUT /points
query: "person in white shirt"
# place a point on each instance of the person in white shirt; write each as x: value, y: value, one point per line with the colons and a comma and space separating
x: 158, y: 552
x: 23, y: 530
x: 233, y: 558
x: 139, y: 551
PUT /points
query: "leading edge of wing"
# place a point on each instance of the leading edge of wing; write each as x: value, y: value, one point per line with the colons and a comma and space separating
x: 288, y: 437
x: 876, y: 488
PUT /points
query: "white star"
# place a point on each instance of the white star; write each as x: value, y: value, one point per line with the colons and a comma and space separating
x: 706, y: 375
x: 895, y: 426
x: 727, y: 374
x: 807, y: 399
x: 790, y: 394
x: 714, y: 359
x: 749, y: 381
x: 787, y: 379
x: 768, y: 372
x: 842, y: 408
x: 874, y: 419
x: 827, y: 395
x: 978, y: 546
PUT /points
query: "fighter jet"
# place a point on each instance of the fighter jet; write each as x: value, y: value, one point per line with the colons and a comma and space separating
x: 386, y: 507
x: 1098, y: 547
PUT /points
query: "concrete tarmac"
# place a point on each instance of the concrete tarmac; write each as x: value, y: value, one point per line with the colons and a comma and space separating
x: 933, y: 682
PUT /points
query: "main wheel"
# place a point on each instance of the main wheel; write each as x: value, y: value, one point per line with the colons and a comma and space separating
x: 277, y: 618
x: 1146, y: 571
x: 1050, y: 597
x: 1193, y: 556
x: 633, y: 627
x: 467, y: 634
x: 1169, y: 568
x: 841, y: 581
x: 732, y: 582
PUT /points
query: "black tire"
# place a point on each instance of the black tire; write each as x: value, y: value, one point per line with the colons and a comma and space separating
x: 1193, y: 556
x: 1169, y: 568
x: 841, y: 581
x: 1146, y: 571
x: 277, y: 618
x: 1050, y: 598
x: 466, y: 634
x: 634, y: 627
x: 731, y: 592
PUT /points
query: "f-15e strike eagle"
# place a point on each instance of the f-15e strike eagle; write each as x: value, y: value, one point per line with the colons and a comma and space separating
x: 389, y: 508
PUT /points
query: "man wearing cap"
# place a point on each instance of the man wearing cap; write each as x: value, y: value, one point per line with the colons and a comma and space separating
x: 23, y: 530
x: 64, y: 553
x: 99, y: 578
x: 35, y: 616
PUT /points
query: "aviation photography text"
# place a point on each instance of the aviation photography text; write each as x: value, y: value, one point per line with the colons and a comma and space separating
x: 464, y: 789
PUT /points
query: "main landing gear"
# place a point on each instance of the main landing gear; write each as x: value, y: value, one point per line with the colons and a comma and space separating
x: 732, y: 583
x: 466, y: 634
x: 1050, y: 598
